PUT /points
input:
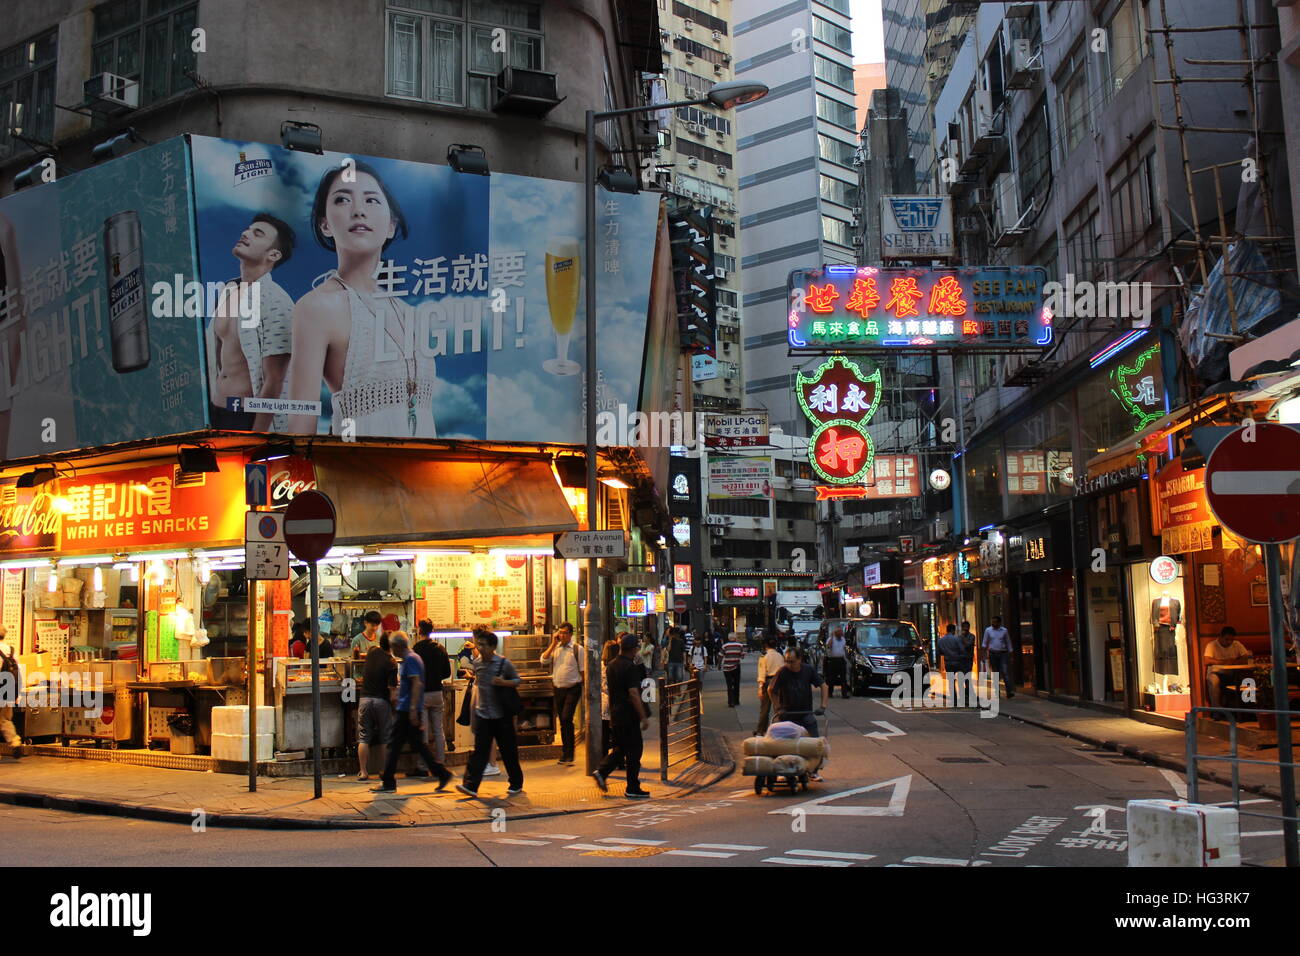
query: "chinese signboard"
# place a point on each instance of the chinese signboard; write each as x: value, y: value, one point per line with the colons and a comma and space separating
x: 86, y: 358
x: 740, y: 593
x: 936, y: 573
x: 895, y: 476
x: 681, y: 579
x: 460, y: 303
x: 1139, y: 387
x: 839, y: 400
x: 916, y: 227
x: 735, y: 477
x: 963, y: 309
x: 736, y: 431
x: 1039, y: 472
x: 123, y: 510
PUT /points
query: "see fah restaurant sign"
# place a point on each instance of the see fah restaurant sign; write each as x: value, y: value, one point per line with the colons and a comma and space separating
x: 971, y: 308
x: 916, y: 227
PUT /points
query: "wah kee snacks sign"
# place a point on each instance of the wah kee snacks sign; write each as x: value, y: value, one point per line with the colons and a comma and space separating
x: 122, y: 510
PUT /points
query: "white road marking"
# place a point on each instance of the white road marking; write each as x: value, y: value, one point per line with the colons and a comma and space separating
x: 1175, y: 781
x: 941, y: 861
x: 1229, y: 803
x: 900, y: 787
x: 1264, y: 833
x: 597, y: 846
x: 513, y: 842
x: 705, y: 853
x: 630, y: 842
x: 831, y: 854
x: 782, y: 859
x: 892, y: 731
x: 741, y: 793
x: 555, y: 836
x: 726, y: 846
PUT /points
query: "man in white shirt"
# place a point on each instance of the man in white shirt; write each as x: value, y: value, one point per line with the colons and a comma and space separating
x: 769, y: 663
x: 836, y: 662
x: 997, y: 644
x: 11, y: 685
x: 566, y: 675
x: 1225, y: 650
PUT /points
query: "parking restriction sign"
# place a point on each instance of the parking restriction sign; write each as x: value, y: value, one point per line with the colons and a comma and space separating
x: 266, y: 556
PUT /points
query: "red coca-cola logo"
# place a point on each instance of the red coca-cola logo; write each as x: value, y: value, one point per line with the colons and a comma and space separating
x: 290, y: 478
x: 106, y: 715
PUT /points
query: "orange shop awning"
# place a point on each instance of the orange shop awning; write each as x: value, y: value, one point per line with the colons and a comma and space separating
x: 400, y: 496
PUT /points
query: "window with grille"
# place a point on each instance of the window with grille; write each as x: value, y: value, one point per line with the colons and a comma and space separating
x: 1126, y: 44
x: 450, y: 51
x: 27, y: 93
x: 1134, y: 209
x: 1034, y: 156
x: 1072, y: 99
x: 148, y: 41
x: 1081, y: 239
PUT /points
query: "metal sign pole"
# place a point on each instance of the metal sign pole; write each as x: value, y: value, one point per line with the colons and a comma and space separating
x: 1281, y: 701
x: 315, y: 678
x: 252, y: 685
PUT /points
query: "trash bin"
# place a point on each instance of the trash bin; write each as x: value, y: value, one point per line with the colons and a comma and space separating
x: 181, y: 726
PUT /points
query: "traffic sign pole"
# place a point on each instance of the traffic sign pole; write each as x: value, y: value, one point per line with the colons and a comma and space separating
x: 315, y: 679
x: 1282, y: 701
x: 252, y: 679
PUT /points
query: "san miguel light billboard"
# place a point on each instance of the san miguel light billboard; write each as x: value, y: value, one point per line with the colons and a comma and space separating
x: 967, y: 308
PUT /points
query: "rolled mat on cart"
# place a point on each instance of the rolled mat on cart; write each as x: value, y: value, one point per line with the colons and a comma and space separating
x: 776, y: 747
x: 779, y: 766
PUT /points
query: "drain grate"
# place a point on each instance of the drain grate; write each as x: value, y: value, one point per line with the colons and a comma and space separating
x: 964, y: 760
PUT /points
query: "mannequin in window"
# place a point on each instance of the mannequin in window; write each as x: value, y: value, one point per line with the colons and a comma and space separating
x: 1166, y: 614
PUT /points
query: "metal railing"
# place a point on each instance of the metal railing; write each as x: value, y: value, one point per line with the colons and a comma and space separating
x: 1288, y: 817
x: 681, y: 734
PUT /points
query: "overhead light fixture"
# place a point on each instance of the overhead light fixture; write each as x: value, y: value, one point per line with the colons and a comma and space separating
x: 61, y: 504
x: 271, y: 451
x: 31, y: 175
x: 97, y: 580
x: 116, y: 146
x: 303, y: 137
x: 135, y: 573
x: 735, y: 93
x: 618, y: 179
x: 36, y: 477
x: 345, y: 568
x: 197, y: 460
x: 468, y: 158
x: 52, y: 584
x: 615, y: 483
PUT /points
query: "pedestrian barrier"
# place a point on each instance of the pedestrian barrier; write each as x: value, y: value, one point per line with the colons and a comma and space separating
x: 680, y: 728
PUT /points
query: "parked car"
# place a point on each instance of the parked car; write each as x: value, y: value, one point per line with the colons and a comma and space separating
x: 878, y: 647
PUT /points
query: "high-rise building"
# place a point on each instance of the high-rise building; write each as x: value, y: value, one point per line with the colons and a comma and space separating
x: 797, y: 183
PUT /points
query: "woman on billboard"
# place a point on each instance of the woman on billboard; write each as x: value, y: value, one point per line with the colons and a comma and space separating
x: 345, y: 331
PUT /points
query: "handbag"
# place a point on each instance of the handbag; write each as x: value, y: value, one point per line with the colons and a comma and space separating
x: 512, y: 704
x: 464, y: 718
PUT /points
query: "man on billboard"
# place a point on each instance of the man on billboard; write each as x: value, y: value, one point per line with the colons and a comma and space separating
x: 360, y: 342
x: 251, y: 353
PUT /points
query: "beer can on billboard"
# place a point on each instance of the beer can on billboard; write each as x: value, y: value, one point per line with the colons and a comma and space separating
x: 128, y: 316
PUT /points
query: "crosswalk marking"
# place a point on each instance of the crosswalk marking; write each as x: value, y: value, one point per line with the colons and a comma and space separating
x: 516, y: 842
x: 782, y: 859
x: 629, y: 842
x: 556, y: 836
x: 726, y: 846
x: 599, y: 846
x: 832, y: 854
x: 704, y: 853
x: 741, y: 793
x: 941, y: 861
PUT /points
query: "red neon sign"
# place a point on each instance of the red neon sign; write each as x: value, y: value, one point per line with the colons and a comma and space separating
x: 904, y: 294
x: 825, y: 492
x: 946, y: 297
x: 839, y: 454
x: 863, y: 297
x: 822, y: 299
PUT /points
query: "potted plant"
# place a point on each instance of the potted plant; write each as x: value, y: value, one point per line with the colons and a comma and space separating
x: 1264, y: 697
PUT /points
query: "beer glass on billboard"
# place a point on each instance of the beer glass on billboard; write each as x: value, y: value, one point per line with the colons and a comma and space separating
x: 563, y: 275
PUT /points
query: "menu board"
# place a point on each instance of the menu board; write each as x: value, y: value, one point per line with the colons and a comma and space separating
x: 151, y: 636
x: 461, y: 591
x: 52, y: 638
x: 11, y: 602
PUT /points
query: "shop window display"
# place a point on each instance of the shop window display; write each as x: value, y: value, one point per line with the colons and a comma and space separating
x: 1161, y: 629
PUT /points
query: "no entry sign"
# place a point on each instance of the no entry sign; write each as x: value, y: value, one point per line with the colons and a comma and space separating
x: 1254, y: 486
x: 309, y: 525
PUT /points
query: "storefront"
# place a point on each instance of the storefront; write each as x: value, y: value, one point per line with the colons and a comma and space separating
x: 1043, y: 611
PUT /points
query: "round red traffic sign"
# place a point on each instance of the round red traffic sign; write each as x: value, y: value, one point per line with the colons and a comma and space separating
x: 679, y: 605
x: 309, y: 525
x: 1254, y: 486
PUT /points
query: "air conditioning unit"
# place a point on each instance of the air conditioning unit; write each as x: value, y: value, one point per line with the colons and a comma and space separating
x: 692, y: 94
x: 688, y: 26
x: 1026, y: 63
x: 717, y: 35
x: 526, y: 92
x: 717, y: 69
x: 726, y: 58
x: 109, y: 94
x: 855, y: 222
x: 692, y: 162
x: 722, y: 240
x: 982, y: 199
x: 968, y: 225
x: 985, y: 132
x: 690, y: 58
x: 722, y: 171
x: 719, y: 273
x: 1009, y: 231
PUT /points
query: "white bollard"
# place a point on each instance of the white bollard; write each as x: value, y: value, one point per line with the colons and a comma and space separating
x: 1177, y: 833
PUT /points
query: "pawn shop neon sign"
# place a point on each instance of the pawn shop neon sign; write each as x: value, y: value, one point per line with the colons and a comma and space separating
x: 839, y: 400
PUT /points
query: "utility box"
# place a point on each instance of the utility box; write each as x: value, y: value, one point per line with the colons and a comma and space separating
x: 1177, y: 833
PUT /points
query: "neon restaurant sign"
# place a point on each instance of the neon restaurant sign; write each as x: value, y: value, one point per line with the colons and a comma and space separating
x: 839, y: 400
x: 970, y: 308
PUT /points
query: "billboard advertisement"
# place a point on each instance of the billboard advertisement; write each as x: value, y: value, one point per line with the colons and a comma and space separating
x: 87, y: 356
x: 975, y: 308
x: 406, y: 300
x: 734, y: 477
x: 916, y: 227
x: 747, y: 429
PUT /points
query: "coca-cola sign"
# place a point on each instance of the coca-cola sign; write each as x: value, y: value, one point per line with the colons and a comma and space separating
x: 290, y: 477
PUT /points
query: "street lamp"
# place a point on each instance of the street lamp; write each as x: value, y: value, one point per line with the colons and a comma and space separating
x: 723, y: 96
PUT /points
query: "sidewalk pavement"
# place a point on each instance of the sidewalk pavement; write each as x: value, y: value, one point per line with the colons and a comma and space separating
x: 1146, y: 742
x: 113, y: 789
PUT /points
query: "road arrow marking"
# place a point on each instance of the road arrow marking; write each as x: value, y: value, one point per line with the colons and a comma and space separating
x: 893, y: 731
x: 1175, y: 781
x: 942, y: 861
x: 900, y: 787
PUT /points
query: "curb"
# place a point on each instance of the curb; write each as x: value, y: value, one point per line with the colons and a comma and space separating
x: 78, y: 804
x: 1149, y: 756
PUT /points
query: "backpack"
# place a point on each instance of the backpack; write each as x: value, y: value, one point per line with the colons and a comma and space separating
x: 9, y: 665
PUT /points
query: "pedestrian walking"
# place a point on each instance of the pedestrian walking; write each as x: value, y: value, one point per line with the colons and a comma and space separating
x: 11, y: 685
x: 956, y: 653
x: 374, y: 704
x: 607, y: 656
x: 699, y: 662
x: 837, y: 661
x: 492, y: 674
x: 733, y: 652
x: 408, y: 721
x: 769, y: 663
x: 676, y: 656
x: 997, y: 642
x: 628, y: 719
x: 646, y: 654
x: 566, y: 660
x: 791, y: 690
x: 437, y: 668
